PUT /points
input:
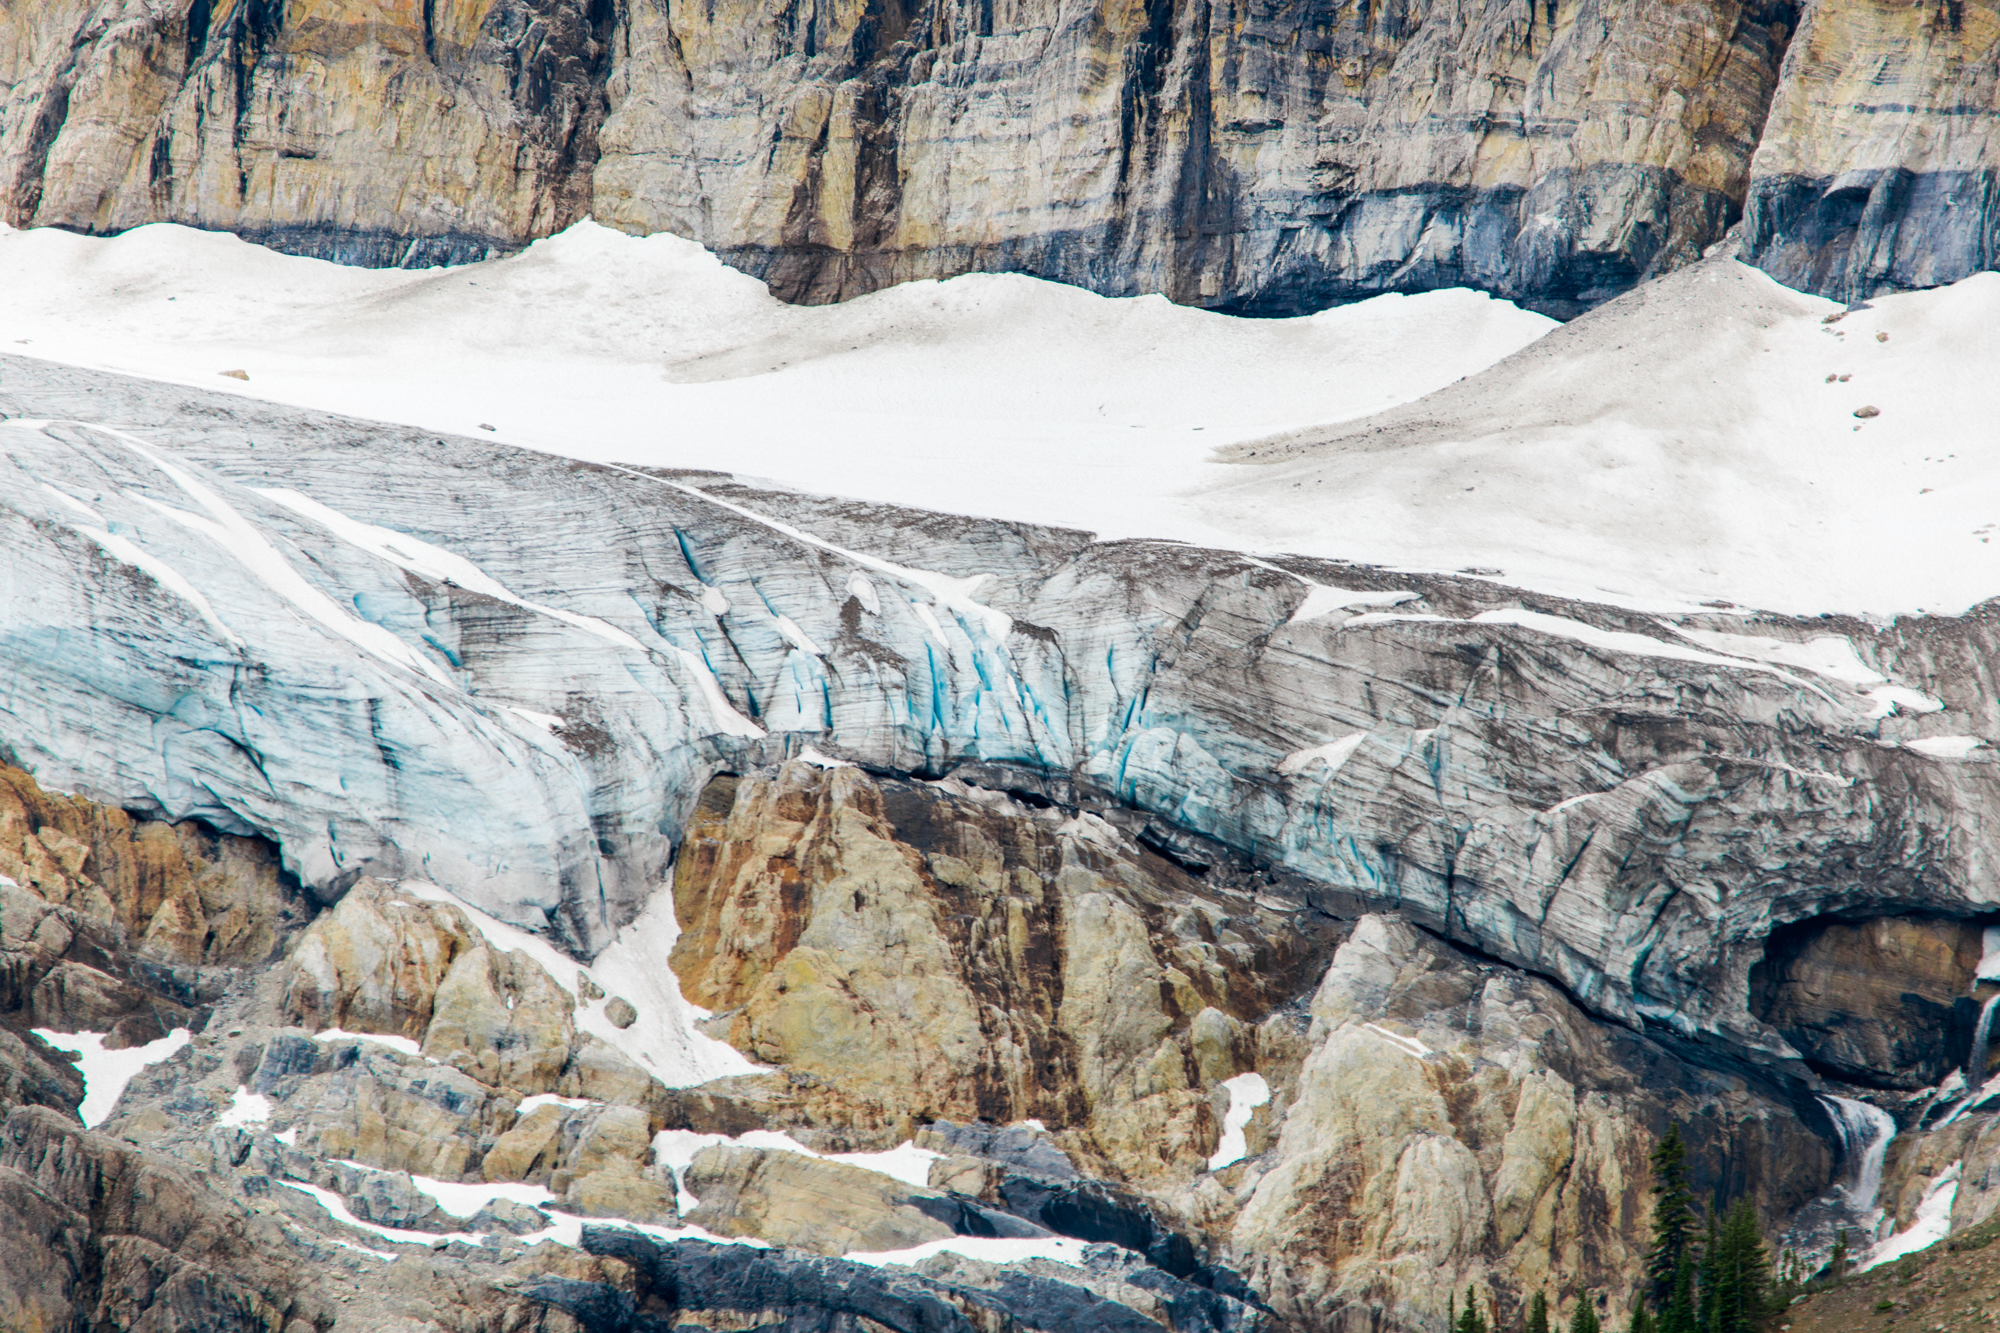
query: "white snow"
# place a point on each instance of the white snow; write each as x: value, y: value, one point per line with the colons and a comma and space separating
x: 1324, y: 601
x: 986, y: 1249
x: 123, y: 549
x: 811, y: 755
x: 906, y: 1162
x: 992, y: 394
x: 663, y: 1040
x: 541, y: 1099
x: 1945, y: 747
x: 1408, y: 1045
x: 225, y: 525
x: 287, y: 1137
x: 1989, y: 961
x: 675, y: 1150
x: 465, y: 1200
x: 1695, y: 443
x: 245, y: 1108
x: 1621, y: 641
x: 1333, y: 754
x: 1687, y: 452
x: 1931, y: 1224
x: 336, y: 1208
x: 403, y: 1044
x: 1247, y: 1092
x: 798, y: 638
x: 1899, y: 698
x: 1827, y: 655
x: 105, y: 1073
x: 548, y: 722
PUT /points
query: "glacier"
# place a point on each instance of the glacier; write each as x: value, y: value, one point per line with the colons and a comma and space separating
x: 404, y: 654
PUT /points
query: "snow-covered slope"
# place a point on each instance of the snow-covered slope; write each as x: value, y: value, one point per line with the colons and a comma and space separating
x: 1003, y: 396
x: 1682, y: 444
x: 1707, y: 436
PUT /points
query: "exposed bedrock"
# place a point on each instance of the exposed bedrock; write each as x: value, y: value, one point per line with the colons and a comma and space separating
x: 1879, y: 169
x: 1885, y: 1002
x: 221, y: 617
x: 1243, y: 155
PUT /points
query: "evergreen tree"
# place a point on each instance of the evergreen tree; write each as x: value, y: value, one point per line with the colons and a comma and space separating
x: 1708, y: 1277
x: 1642, y: 1321
x: 1584, y: 1318
x: 1673, y: 1215
x: 1741, y: 1298
x: 1838, y: 1264
x: 1469, y: 1319
x: 1679, y: 1316
x: 1538, y: 1314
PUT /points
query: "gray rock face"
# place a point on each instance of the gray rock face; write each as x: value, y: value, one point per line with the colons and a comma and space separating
x: 1885, y: 1002
x: 532, y: 729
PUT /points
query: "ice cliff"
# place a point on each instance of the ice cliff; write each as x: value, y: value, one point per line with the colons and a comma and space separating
x: 399, y: 654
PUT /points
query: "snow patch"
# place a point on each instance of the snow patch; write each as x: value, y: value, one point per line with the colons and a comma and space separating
x: 225, y: 525
x: 541, y: 1099
x: 105, y: 1073
x: 1989, y: 961
x: 675, y: 1150
x: 245, y: 1108
x: 1407, y: 1045
x: 1333, y: 754
x: 548, y: 722
x: 863, y: 590
x: 435, y: 563
x: 1931, y: 1224
x: 1945, y: 747
x: 1902, y: 699
x: 811, y: 755
x: 1247, y: 1092
x: 336, y: 1208
x: 403, y: 1044
x: 985, y: 1249
x: 663, y: 1040
x: 797, y: 637
x: 1324, y: 601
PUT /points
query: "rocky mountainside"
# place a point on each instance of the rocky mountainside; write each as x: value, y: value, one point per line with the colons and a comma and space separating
x: 504, y: 892
x: 1251, y: 157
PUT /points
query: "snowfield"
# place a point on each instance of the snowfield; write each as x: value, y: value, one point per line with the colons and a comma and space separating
x: 1695, y: 441
x: 998, y: 395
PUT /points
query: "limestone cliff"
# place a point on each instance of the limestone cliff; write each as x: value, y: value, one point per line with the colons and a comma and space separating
x: 1879, y: 164
x: 1241, y: 155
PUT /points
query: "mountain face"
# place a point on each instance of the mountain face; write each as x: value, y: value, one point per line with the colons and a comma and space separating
x: 1083, y: 933
x: 1249, y: 157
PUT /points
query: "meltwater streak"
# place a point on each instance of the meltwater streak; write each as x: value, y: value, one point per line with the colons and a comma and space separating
x: 1975, y: 1068
x: 1865, y: 1132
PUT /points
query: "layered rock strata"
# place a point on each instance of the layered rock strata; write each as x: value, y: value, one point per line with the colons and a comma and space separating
x: 1877, y: 167
x: 1244, y: 157
x: 368, y: 133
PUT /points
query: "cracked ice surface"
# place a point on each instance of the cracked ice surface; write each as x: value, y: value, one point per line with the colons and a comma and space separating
x: 510, y: 675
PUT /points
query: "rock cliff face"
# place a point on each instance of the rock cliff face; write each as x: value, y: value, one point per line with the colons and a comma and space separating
x: 1877, y: 168
x: 1240, y: 155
